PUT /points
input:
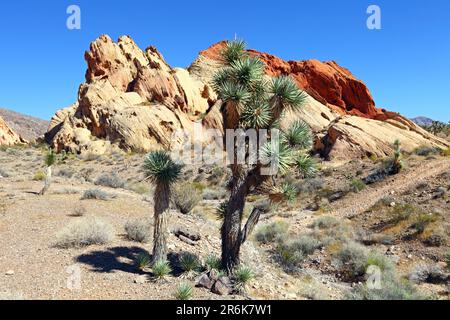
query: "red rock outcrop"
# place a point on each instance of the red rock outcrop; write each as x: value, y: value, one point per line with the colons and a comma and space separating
x: 327, y: 82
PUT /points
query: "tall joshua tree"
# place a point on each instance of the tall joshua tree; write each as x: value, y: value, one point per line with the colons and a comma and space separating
x: 50, y: 160
x: 252, y: 101
x: 163, y: 172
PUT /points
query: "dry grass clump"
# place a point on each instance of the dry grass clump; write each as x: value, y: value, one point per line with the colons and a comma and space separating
x: 97, y: 194
x: 84, y: 232
x: 185, y: 197
x: 138, y: 230
x: 111, y: 180
x: 271, y: 232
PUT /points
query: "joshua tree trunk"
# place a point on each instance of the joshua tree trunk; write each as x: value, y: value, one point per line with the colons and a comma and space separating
x: 231, y: 228
x: 48, y: 178
x: 161, y: 208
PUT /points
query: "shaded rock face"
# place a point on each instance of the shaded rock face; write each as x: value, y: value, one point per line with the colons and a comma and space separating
x: 29, y: 128
x: 132, y: 99
x: 7, y: 136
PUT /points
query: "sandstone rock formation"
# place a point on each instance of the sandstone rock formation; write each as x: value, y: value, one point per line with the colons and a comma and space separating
x: 7, y: 136
x: 133, y: 99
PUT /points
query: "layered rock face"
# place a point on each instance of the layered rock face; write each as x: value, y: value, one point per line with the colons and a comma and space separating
x: 133, y: 99
x: 7, y: 136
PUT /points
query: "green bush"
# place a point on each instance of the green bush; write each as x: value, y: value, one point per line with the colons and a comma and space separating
x: 39, y: 176
x: 184, y: 291
x: 161, y: 269
x: 357, y: 185
x: 213, y: 262
x: 391, y: 289
x: 189, y: 262
x: 271, y: 232
x: 243, y: 275
x: 143, y: 260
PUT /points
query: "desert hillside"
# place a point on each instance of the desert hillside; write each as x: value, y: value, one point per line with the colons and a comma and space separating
x: 29, y: 128
x: 298, y: 251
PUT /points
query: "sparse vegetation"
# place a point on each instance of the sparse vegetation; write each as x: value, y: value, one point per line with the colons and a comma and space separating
x: 96, y: 194
x: 243, y: 275
x: 271, y: 232
x: 143, y: 260
x: 357, y: 185
x: 351, y: 260
x: 184, y: 291
x: 186, y: 197
x: 189, y: 262
x: 138, y: 230
x: 111, y: 180
x: 160, y: 269
x: 84, y: 232
x: 212, y: 262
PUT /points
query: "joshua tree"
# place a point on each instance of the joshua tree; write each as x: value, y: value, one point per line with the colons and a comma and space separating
x: 50, y: 160
x: 397, y: 164
x: 163, y: 172
x: 251, y: 101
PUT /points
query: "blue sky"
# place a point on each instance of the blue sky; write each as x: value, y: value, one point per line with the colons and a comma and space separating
x: 406, y: 65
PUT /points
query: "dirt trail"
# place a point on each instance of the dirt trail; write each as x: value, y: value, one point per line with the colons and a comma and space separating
x: 353, y: 204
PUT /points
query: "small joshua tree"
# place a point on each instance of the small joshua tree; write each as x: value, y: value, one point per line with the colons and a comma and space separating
x: 163, y: 172
x: 251, y: 101
x: 50, y: 160
x: 397, y: 164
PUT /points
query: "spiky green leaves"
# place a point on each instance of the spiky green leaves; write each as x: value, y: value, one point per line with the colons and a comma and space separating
x: 235, y: 93
x: 306, y: 165
x: 299, y: 135
x: 50, y: 158
x: 160, y: 167
x: 234, y: 50
x: 278, y: 156
x: 286, y: 94
x: 247, y: 72
x: 256, y: 115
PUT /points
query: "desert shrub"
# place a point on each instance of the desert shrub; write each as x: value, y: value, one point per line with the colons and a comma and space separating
x: 351, y: 260
x: 184, y: 291
x: 311, y: 185
x: 143, y: 260
x: 111, y: 180
x: 293, y: 252
x: 210, y: 194
x: 66, y: 191
x: 326, y: 222
x: 391, y: 289
x: 425, y: 151
x: 79, y: 211
x: 39, y: 176
x: 186, y: 197
x: 138, y: 230
x: 421, y: 221
x: 271, y: 232
x: 213, y: 262
x: 65, y: 173
x: 96, y: 194
x: 189, y: 262
x: 381, y: 261
x: 357, y: 185
x: 446, y: 152
x: 447, y: 259
x: 84, y: 232
x: 243, y: 275
x: 161, y: 269
x: 428, y: 273
x: 4, y: 174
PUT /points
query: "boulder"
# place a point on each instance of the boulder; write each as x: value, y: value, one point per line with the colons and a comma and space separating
x: 7, y: 136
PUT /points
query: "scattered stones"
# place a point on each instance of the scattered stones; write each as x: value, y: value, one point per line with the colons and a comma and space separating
x: 222, y: 286
x: 9, y: 273
x: 186, y: 234
x: 204, y: 281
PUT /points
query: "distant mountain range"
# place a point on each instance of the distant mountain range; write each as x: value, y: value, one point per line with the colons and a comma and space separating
x: 28, y: 127
x: 422, y: 121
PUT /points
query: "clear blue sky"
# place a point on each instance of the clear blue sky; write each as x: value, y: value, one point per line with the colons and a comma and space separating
x: 406, y: 65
